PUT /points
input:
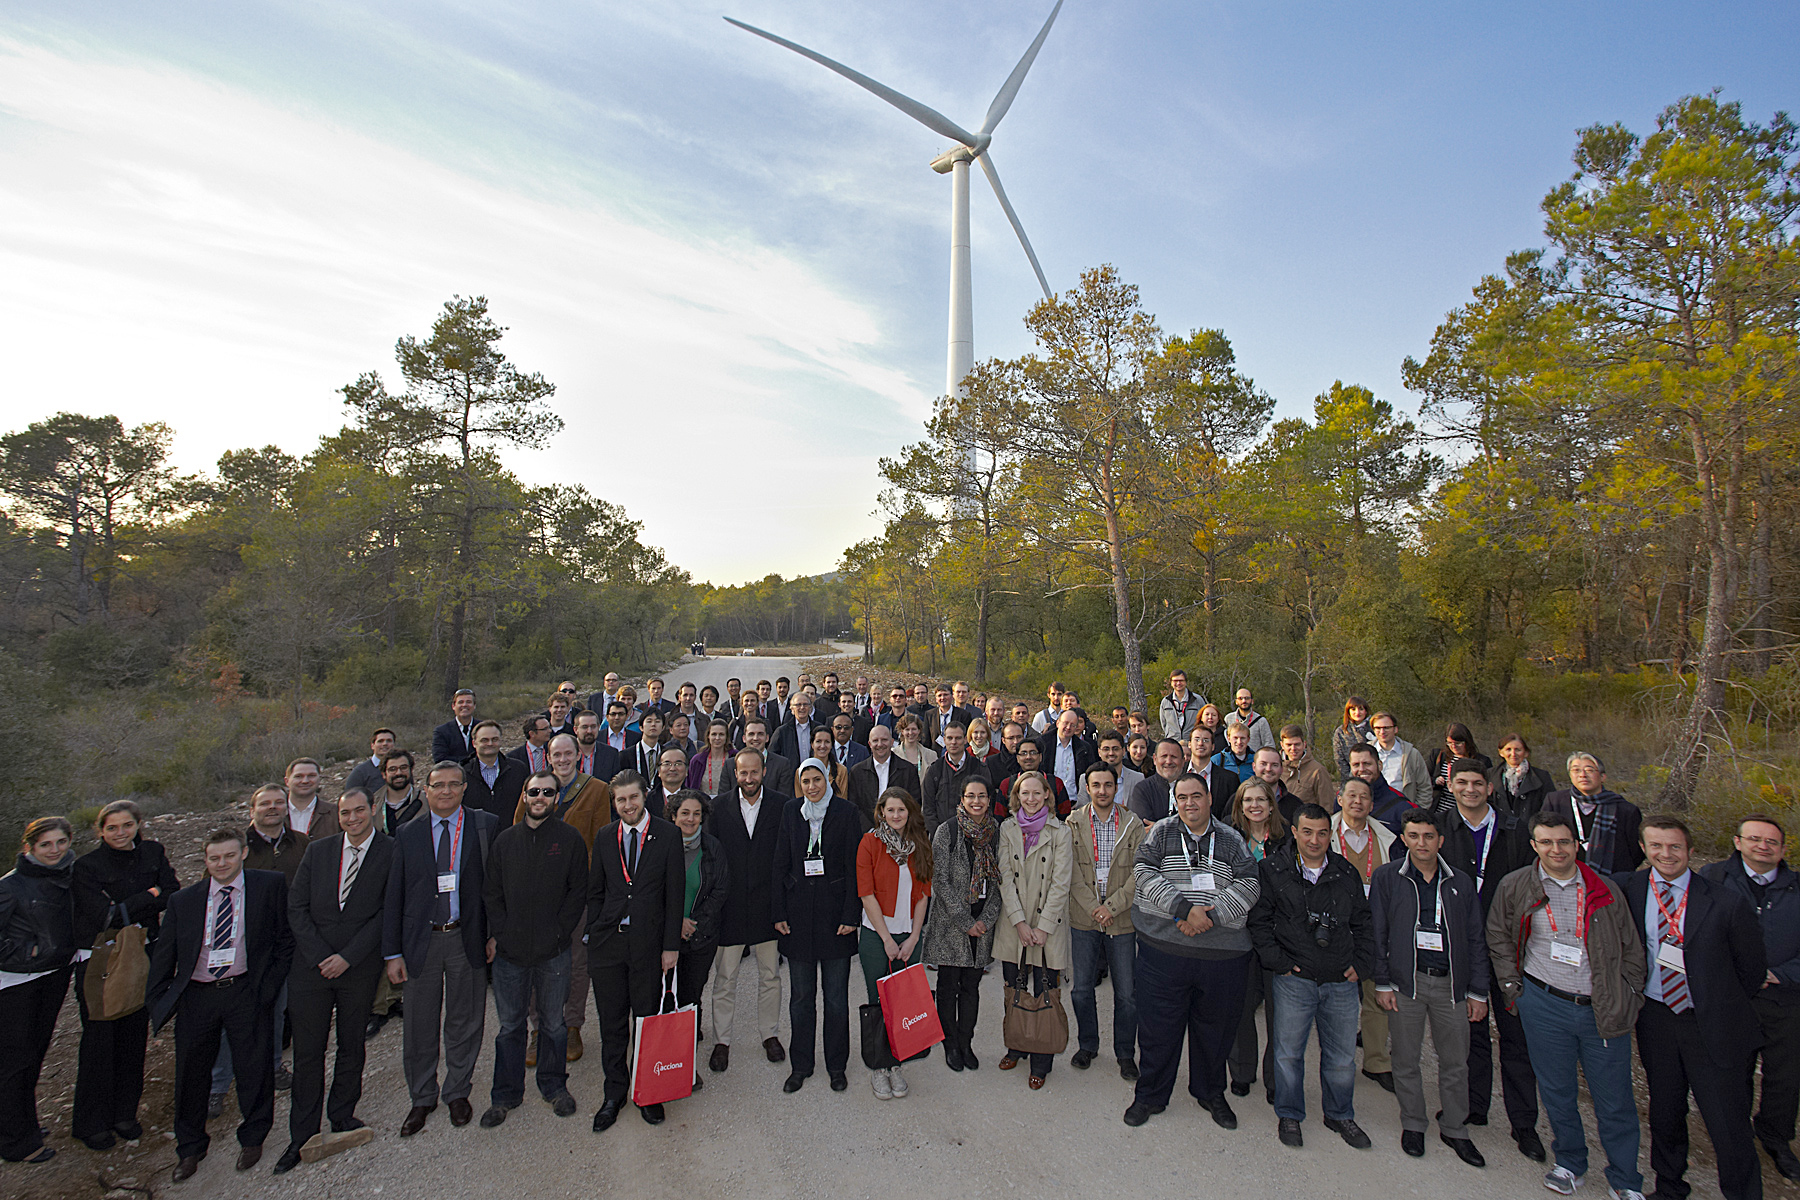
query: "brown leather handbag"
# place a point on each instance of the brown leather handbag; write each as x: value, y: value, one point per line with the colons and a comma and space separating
x: 1034, y: 1024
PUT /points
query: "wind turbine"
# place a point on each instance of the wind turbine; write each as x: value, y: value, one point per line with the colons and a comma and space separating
x: 971, y: 147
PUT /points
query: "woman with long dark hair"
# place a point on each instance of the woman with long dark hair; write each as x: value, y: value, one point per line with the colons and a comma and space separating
x: 1353, y: 729
x: 893, y: 881
x: 959, y: 931
x: 703, y: 900
x: 1458, y: 743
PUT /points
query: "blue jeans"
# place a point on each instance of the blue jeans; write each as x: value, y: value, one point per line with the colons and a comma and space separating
x: 221, y: 1076
x: 1560, y: 1033
x: 806, y: 979
x: 1337, y: 1010
x: 513, y: 989
x: 1091, y: 947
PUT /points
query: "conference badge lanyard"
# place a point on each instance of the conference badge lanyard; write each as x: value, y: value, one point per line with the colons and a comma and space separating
x: 1669, y: 951
x: 1581, y: 836
x: 815, y: 858
x: 1200, y: 880
x: 1569, y: 953
x: 1431, y: 937
x: 1094, y: 831
x: 1366, y: 867
x: 446, y: 880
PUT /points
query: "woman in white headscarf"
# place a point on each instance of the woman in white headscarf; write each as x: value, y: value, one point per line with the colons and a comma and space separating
x: 816, y: 911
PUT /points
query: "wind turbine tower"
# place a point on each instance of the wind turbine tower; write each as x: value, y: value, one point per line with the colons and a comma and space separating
x: 970, y: 147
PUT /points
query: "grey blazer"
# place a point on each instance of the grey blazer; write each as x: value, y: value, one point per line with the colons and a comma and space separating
x: 947, y: 942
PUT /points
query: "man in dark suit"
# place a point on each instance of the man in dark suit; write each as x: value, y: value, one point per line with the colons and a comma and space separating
x: 747, y: 823
x: 223, y: 952
x: 454, y: 740
x: 434, y: 937
x: 1066, y: 751
x: 367, y: 773
x: 593, y: 756
x: 1698, y: 1030
x: 530, y: 753
x: 608, y: 688
x: 843, y: 741
x: 636, y: 889
x: 793, y: 741
x: 943, y: 779
x: 493, y: 780
x: 943, y: 716
x: 880, y: 771
x: 656, y: 701
x: 645, y: 754
x: 778, y: 769
x: 334, y: 909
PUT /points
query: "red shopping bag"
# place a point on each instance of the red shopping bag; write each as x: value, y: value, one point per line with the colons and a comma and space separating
x: 910, y: 1012
x: 662, y: 1053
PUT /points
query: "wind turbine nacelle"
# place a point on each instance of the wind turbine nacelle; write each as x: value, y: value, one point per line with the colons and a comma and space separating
x: 943, y: 163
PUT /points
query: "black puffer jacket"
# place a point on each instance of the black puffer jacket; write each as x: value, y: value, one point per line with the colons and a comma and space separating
x: 709, y: 901
x: 37, y: 917
x: 1286, y: 923
x: 105, y: 878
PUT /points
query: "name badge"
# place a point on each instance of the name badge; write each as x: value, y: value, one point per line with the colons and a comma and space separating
x: 1367, y: 889
x: 1202, y: 882
x: 447, y: 881
x: 1562, y: 952
x: 815, y: 866
x: 1428, y: 939
x: 1669, y: 955
x: 220, y: 958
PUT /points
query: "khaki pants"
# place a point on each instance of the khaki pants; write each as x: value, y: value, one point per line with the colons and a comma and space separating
x: 1449, y: 1019
x: 768, y: 989
x: 1374, y: 1027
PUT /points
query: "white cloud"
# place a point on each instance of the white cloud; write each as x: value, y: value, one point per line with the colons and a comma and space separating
x: 174, y: 248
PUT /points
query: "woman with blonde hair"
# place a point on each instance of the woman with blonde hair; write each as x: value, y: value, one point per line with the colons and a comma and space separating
x: 1036, y: 862
x: 911, y: 733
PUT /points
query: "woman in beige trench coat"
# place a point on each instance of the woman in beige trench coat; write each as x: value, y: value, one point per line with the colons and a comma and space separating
x: 1032, y: 941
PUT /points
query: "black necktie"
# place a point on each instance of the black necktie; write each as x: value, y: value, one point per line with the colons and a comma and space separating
x: 440, y: 909
x: 631, y: 851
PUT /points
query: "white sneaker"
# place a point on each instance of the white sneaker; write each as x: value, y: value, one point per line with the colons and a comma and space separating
x: 1627, y: 1194
x: 897, y: 1082
x: 883, y: 1089
x: 1563, y: 1181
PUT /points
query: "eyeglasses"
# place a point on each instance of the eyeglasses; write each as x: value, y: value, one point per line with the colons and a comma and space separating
x: 1383, y: 728
x: 540, y: 791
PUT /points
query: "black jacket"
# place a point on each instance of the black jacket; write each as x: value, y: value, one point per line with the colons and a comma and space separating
x: 709, y: 901
x: 412, y: 890
x: 1511, y: 849
x: 37, y: 917
x: 1394, y: 910
x: 449, y: 744
x: 865, y: 787
x: 1777, y: 909
x: 536, y: 890
x: 1627, y: 851
x: 1083, y: 753
x: 652, y: 897
x: 778, y: 775
x: 1150, y: 798
x: 746, y: 919
x: 1524, y: 804
x: 268, y: 942
x: 105, y: 878
x: 1723, y: 953
x: 814, y: 906
x: 942, y: 788
x: 320, y: 927
x: 503, y: 798
x: 1391, y: 806
x: 788, y: 742
x: 1284, y: 928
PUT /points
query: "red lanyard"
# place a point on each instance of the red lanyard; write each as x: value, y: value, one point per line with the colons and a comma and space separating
x: 1580, y: 910
x: 622, y: 866
x: 456, y: 839
x: 1367, y: 867
x: 1112, y: 818
x: 1671, y: 920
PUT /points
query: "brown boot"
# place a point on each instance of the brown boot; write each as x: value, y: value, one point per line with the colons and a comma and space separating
x: 531, y: 1051
x: 574, y: 1054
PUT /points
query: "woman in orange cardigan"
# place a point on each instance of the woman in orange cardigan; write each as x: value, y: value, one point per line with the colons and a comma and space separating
x: 893, y: 877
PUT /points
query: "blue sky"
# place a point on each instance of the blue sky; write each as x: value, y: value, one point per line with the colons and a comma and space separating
x: 734, y: 263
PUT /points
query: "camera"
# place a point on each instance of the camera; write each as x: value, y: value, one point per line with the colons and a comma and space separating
x: 1323, y: 923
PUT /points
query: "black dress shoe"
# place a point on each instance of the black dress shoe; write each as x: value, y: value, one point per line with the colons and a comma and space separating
x: 1289, y: 1133
x: 1139, y: 1112
x: 1413, y: 1143
x: 461, y: 1112
x: 1221, y: 1112
x: 345, y: 1126
x: 376, y: 1021
x: 186, y: 1167
x: 1240, y: 1089
x: 839, y: 1081
x: 494, y: 1116
x: 129, y: 1131
x: 1465, y: 1150
x: 772, y: 1047
x: 104, y: 1140
x: 953, y: 1056
x: 652, y: 1114
x: 1530, y: 1145
x: 290, y: 1158
x: 562, y: 1104
x: 721, y: 1058
x: 1128, y: 1070
x: 603, y: 1120
x: 1350, y: 1131
x: 1475, y: 1119
x: 793, y: 1083
x: 415, y: 1119
x: 969, y: 1059
x: 1786, y: 1164
x: 248, y: 1156
x: 1082, y: 1059
x: 1384, y: 1078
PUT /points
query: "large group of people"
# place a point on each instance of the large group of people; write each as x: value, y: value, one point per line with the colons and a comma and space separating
x: 1201, y: 864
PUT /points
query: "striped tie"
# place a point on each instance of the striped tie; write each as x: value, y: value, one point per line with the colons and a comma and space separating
x: 223, y: 920
x: 349, y: 876
x: 1674, y: 983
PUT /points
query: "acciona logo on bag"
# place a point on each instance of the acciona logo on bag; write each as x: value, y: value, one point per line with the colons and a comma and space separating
x: 660, y: 1067
x: 909, y: 1022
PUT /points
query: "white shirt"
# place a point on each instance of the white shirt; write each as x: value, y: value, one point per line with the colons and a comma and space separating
x: 881, y: 773
x: 352, y: 850
x: 1392, y: 762
x: 750, y: 812
x: 1762, y: 877
x: 300, y: 819
x: 1065, y: 764
x: 1312, y: 873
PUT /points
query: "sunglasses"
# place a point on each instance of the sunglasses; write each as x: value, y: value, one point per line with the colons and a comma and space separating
x: 540, y: 791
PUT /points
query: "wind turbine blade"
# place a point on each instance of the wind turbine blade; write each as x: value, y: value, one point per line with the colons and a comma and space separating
x: 931, y: 118
x: 1010, y: 88
x: 987, y: 165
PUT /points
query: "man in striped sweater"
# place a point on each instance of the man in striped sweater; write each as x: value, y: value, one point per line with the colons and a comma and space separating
x: 1196, y: 884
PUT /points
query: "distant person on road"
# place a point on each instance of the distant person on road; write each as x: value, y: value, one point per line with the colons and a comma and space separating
x: 893, y: 883
x: 37, y: 946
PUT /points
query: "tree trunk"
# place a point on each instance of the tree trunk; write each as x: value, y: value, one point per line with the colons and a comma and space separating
x: 453, y: 650
x: 981, y: 632
x: 1121, y: 589
x: 1761, y: 581
x: 1209, y: 562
